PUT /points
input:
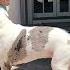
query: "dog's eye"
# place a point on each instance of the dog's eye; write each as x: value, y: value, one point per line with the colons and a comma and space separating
x: 19, y: 45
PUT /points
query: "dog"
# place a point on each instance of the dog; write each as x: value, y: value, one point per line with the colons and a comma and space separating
x: 21, y: 44
x: 47, y: 42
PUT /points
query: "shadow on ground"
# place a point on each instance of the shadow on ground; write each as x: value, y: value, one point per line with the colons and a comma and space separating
x: 40, y: 64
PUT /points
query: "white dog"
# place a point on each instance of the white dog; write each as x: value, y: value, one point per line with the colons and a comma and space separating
x: 19, y: 44
x: 47, y: 42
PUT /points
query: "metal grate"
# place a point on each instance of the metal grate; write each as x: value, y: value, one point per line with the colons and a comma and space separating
x: 44, y: 8
x: 51, y: 8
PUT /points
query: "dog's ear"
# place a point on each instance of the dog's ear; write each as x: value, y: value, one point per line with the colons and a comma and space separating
x: 20, y: 50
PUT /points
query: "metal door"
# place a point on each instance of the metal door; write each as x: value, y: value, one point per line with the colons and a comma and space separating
x: 63, y: 7
x: 44, y: 8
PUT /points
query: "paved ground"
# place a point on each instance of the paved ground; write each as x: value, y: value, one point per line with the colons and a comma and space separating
x: 40, y: 64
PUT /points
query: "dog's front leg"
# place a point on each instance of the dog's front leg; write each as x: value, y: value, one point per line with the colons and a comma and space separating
x: 5, y: 66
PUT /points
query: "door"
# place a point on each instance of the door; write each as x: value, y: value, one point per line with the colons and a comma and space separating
x: 44, y: 8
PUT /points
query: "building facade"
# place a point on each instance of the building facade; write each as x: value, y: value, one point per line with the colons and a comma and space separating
x: 41, y: 12
x: 45, y: 12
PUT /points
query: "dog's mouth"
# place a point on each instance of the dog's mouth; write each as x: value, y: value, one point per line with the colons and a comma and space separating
x: 69, y: 42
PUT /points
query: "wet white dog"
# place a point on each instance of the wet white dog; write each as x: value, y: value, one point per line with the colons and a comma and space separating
x: 48, y: 42
x: 19, y: 44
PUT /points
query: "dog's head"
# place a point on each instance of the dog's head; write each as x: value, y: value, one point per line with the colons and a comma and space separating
x: 18, y: 50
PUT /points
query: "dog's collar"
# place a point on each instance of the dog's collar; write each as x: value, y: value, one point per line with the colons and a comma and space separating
x: 3, y: 10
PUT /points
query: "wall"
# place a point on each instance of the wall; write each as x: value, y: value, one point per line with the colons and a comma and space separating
x: 14, y: 11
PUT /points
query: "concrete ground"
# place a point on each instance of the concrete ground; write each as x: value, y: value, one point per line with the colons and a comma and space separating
x: 40, y: 64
